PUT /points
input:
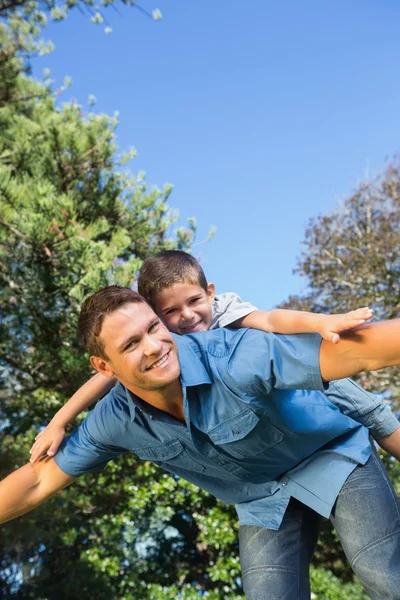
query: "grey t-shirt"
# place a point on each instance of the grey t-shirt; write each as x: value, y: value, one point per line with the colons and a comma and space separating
x: 227, y: 308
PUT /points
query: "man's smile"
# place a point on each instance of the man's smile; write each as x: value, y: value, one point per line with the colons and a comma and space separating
x: 160, y: 362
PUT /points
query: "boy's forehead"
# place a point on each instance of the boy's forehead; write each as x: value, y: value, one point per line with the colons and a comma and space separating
x: 179, y: 290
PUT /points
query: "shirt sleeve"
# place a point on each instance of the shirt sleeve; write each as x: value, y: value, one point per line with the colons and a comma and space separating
x: 228, y: 308
x: 89, y: 448
x: 260, y: 362
x: 362, y: 406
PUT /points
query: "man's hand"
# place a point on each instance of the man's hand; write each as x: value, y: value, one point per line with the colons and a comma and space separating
x: 29, y: 486
x: 331, y: 326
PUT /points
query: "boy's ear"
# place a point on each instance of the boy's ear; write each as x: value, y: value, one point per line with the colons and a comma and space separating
x: 102, y: 366
x: 211, y: 292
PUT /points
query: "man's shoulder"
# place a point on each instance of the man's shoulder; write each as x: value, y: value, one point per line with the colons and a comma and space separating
x: 108, y: 413
x: 218, y: 342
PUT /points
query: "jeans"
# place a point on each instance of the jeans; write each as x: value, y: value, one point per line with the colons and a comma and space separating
x: 366, y: 516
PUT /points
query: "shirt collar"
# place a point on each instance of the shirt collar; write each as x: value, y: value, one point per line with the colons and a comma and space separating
x: 193, y: 371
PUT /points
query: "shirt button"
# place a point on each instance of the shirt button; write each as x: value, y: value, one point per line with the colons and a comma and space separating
x: 235, y: 431
x: 284, y: 482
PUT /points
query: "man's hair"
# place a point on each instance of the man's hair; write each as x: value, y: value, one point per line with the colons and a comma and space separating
x: 95, y: 309
x: 165, y: 269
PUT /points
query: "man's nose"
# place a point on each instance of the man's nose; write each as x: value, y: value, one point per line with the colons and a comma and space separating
x: 151, y: 345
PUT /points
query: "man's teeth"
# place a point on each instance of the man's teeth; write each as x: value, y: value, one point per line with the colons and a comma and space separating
x: 159, y: 362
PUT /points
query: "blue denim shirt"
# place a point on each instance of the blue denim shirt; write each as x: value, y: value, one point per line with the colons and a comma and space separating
x: 259, y: 427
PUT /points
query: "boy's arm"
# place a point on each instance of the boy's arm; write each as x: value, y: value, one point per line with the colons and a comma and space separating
x: 295, y: 321
x: 50, y: 438
x: 29, y: 486
x: 391, y: 444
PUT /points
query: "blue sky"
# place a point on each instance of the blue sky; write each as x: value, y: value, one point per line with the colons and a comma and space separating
x: 262, y: 114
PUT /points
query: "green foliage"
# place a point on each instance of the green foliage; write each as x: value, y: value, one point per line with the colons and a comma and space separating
x: 326, y: 586
x: 71, y: 220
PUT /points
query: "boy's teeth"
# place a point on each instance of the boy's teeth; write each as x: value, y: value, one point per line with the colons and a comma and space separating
x: 159, y: 362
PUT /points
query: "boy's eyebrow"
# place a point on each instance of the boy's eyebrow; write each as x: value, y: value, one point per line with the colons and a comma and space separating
x: 187, y: 298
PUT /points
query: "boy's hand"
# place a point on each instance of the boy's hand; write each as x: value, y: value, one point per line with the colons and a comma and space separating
x: 334, y: 324
x: 47, y: 441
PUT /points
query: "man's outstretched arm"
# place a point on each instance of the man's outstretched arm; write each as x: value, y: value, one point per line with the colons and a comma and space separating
x: 369, y: 348
x: 29, y: 486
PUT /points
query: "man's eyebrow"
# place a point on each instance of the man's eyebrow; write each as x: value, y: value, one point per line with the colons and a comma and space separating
x: 127, y: 341
x: 136, y: 336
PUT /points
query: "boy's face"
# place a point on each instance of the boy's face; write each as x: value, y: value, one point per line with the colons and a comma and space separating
x: 186, y: 307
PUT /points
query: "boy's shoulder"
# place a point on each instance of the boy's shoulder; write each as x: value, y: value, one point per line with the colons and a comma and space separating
x: 228, y: 308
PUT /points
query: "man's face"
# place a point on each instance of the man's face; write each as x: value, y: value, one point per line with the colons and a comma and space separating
x: 141, y: 351
x: 186, y: 307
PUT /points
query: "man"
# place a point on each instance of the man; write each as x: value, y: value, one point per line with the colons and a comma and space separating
x: 229, y: 419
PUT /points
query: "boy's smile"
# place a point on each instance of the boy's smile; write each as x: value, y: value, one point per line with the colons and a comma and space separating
x: 186, y: 307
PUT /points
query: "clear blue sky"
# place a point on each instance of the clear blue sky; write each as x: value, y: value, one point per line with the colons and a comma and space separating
x: 262, y: 114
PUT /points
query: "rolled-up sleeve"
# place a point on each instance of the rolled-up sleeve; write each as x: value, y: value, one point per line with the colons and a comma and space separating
x: 89, y: 448
x: 267, y: 361
x: 362, y: 406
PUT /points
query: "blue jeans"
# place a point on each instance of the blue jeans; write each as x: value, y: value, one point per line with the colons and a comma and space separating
x: 366, y: 516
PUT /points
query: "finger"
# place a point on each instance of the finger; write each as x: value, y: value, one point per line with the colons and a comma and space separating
x: 53, y: 449
x: 335, y: 338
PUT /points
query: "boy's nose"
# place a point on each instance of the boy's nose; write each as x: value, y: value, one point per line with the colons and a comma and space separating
x: 187, y: 314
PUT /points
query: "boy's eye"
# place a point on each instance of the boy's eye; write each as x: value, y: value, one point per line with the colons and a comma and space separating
x: 170, y: 311
x: 194, y: 300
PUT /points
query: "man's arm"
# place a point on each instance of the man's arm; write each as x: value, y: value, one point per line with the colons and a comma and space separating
x: 29, y: 486
x: 369, y: 348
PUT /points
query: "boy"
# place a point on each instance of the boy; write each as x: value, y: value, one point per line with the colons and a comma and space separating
x: 176, y: 288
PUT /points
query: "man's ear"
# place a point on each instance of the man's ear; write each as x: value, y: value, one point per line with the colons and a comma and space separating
x: 102, y: 366
x: 210, y: 292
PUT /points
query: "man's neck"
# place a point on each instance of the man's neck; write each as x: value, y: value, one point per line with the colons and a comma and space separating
x: 168, y: 399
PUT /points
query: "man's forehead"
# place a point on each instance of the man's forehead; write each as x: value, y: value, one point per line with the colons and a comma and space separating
x: 132, y: 316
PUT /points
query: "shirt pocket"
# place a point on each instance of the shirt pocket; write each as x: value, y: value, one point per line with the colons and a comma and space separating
x: 246, y: 436
x: 169, y: 455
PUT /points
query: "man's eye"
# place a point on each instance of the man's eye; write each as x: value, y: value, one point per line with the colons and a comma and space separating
x: 155, y: 326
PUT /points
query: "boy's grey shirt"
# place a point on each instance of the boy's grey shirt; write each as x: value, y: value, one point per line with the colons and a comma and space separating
x: 347, y: 395
x: 228, y: 308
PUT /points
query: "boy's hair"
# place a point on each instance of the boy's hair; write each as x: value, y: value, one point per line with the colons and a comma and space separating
x: 165, y: 269
x: 95, y: 309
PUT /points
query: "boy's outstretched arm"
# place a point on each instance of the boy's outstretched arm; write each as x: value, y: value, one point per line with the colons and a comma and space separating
x: 368, y: 348
x: 49, y: 440
x: 296, y: 321
x: 29, y: 486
